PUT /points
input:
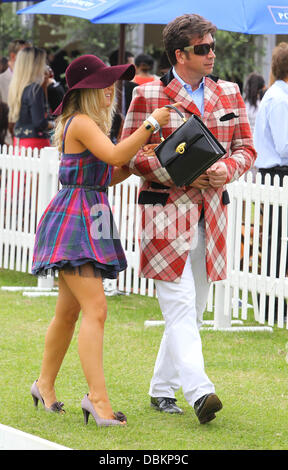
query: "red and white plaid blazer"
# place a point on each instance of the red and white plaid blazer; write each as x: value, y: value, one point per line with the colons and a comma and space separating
x: 167, y: 231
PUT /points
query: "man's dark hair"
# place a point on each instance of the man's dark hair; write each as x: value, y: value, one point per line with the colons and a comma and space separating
x: 17, y: 44
x: 179, y: 32
x: 280, y: 61
x: 113, y: 58
x: 144, y: 59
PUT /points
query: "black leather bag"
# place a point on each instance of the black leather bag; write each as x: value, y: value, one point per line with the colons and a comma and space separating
x: 189, y: 150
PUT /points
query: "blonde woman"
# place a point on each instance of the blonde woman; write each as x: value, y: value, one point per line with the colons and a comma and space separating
x: 76, y: 235
x: 27, y: 100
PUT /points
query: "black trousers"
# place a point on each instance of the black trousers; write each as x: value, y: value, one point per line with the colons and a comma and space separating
x: 281, y: 171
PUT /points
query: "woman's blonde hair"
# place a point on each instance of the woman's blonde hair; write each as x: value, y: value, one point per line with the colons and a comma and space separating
x: 29, y: 68
x: 87, y: 101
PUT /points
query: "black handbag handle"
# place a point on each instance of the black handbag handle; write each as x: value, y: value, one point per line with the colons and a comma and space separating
x: 178, y: 112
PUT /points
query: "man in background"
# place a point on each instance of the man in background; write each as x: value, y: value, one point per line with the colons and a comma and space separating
x: 5, y: 77
x: 271, y: 143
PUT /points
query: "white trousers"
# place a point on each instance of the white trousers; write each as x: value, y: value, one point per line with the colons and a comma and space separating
x: 180, y: 361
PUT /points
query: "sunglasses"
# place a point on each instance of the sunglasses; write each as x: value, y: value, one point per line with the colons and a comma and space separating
x: 201, y: 49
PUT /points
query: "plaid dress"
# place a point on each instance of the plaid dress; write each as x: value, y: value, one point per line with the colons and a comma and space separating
x: 77, y: 227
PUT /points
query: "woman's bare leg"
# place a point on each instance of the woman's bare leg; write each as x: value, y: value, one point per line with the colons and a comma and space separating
x: 57, y: 340
x: 89, y: 292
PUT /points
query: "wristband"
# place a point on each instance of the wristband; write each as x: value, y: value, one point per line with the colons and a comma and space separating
x: 154, y: 124
x: 148, y: 126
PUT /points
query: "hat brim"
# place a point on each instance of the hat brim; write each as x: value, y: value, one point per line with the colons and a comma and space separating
x: 108, y: 76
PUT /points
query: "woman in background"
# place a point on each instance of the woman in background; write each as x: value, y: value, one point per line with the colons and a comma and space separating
x: 27, y: 102
x: 253, y: 93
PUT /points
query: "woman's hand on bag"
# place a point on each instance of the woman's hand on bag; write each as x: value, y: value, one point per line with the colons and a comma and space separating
x: 148, y: 149
x: 162, y: 115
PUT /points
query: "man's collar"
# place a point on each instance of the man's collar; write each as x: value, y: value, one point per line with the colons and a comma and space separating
x: 282, y: 84
x: 169, y: 76
x: 183, y: 83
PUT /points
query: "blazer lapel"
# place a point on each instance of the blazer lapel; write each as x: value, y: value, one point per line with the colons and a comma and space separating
x: 212, y: 92
x: 177, y: 92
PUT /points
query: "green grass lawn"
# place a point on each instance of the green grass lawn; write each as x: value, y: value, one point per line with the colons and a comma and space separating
x: 249, y: 371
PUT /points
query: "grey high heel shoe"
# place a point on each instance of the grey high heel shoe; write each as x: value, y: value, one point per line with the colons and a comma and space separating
x: 56, y: 407
x: 88, y: 408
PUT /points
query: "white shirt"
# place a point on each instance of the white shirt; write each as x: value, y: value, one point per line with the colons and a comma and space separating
x: 271, y: 127
x: 197, y: 95
x: 5, y: 79
x: 252, y: 112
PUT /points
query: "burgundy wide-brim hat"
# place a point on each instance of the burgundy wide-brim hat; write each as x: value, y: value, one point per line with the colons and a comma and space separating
x: 88, y: 71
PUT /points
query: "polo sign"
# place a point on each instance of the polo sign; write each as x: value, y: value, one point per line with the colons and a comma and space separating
x: 242, y: 16
x: 83, y: 5
x: 279, y: 14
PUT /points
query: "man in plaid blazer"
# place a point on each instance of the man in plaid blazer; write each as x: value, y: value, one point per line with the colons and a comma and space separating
x: 183, y: 236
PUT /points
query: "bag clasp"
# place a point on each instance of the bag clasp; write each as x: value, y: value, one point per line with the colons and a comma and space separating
x: 181, y: 148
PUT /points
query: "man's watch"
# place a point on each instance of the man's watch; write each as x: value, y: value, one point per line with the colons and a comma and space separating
x: 151, y: 124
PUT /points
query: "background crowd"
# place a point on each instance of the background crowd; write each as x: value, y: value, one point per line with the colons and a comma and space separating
x: 28, y: 101
x: 32, y: 85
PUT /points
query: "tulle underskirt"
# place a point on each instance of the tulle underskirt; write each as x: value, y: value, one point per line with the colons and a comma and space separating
x: 84, y: 268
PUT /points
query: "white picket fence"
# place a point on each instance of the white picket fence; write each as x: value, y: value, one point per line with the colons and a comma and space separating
x: 29, y: 180
x: 247, y: 240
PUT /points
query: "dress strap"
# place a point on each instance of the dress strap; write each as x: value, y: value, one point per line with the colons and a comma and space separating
x: 65, y: 132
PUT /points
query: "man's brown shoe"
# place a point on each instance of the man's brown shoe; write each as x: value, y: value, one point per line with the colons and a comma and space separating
x: 206, y: 407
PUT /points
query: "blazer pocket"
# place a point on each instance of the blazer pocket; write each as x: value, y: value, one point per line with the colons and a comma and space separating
x: 153, y: 197
x: 229, y: 116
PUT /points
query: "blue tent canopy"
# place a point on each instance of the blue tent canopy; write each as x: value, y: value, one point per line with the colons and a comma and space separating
x: 243, y: 16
